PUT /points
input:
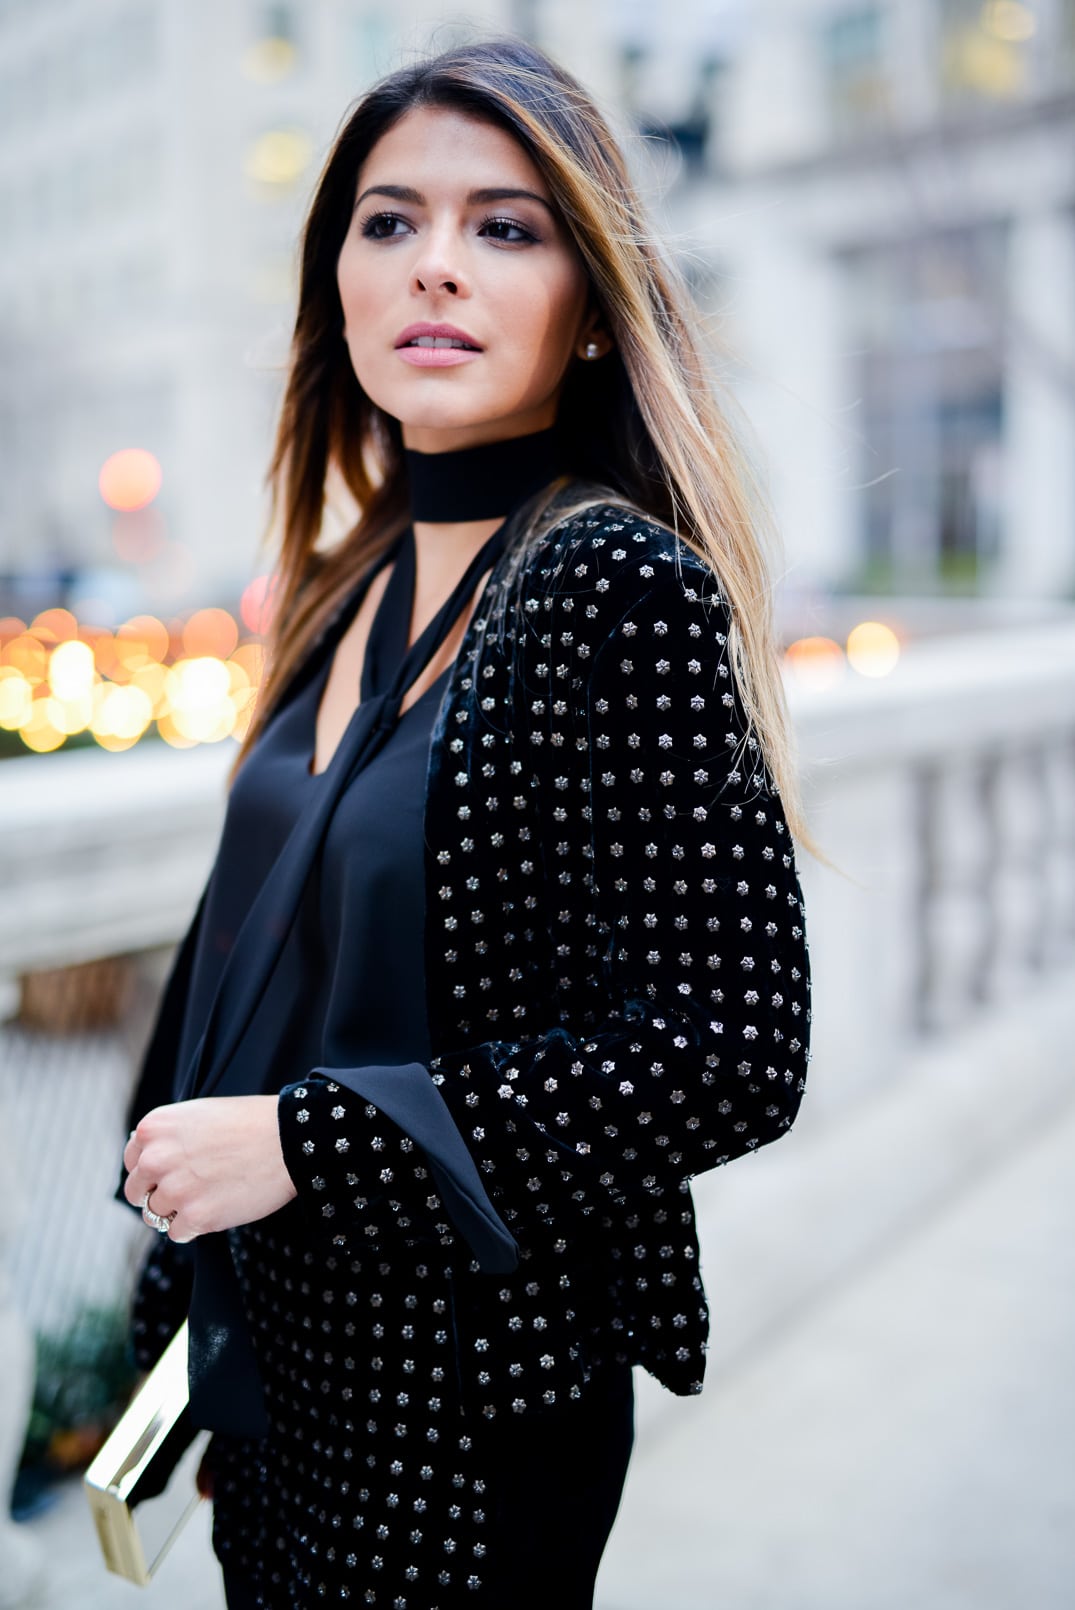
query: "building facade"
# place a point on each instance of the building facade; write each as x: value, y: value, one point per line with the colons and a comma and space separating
x: 874, y: 201
x: 886, y: 214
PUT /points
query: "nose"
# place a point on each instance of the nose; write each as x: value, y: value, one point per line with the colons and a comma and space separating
x: 436, y: 279
x: 437, y: 267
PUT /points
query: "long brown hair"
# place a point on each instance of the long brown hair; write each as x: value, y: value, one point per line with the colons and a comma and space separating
x: 644, y: 423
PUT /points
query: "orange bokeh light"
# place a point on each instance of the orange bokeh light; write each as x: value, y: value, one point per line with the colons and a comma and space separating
x: 251, y: 657
x: 38, y: 732
x: 210, y: 633
x: 28, y: 655
x: 105, y: 657
x: 817, y: 661
x: 130, y: 479
x: 149, y: 633
x: 194, y: 680
x: 142, y: 640
x: 54, y: 626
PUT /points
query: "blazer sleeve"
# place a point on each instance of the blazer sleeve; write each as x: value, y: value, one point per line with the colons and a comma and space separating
x: 696, y: 925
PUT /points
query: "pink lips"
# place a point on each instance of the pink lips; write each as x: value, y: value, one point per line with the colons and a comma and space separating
x: 436, y: 357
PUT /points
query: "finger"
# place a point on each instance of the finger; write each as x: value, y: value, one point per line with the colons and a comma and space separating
x: 160, y: 1202
x: 132, y: 1151
x: 135, y: 1187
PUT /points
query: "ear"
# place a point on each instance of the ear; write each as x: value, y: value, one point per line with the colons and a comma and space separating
x: 593, y: 340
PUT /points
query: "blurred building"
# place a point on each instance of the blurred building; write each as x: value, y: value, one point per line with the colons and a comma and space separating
x: 155, y: 163
x: 875, y: 203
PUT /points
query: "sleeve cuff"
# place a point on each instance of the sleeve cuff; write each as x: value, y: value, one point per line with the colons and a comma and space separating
x: 406, y: 1095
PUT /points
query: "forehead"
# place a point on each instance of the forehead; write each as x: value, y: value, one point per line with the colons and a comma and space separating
x: 439, y: 145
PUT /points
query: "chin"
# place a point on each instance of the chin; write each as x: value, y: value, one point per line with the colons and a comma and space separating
x: 447, y: 413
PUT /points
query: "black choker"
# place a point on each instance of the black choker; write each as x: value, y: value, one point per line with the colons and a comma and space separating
x: 481, y: 483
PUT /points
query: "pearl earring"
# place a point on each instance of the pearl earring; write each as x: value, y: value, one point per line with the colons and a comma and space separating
x: 592, y: 350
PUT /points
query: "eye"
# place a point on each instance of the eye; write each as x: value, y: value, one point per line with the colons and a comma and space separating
x: 372, y: 226
x: 521, y: 231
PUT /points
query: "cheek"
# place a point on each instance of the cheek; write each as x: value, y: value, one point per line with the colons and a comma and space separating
x: 543, y: 317
x: 354, y: 284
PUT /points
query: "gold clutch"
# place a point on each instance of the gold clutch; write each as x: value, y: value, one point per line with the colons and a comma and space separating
x: 138, y: 1511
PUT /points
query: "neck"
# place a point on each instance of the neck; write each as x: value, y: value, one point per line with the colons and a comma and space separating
x: 442, y: 551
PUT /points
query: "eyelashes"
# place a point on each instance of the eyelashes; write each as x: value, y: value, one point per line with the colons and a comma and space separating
x: 371, y: 229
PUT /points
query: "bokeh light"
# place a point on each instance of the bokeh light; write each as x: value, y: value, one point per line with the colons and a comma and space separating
x: 198, y: 692
x: 268, y: 60
x: 210, y: 632
x: 38, y: 732
x: 1009, y: 20
x: 28, y: 655
x: 142, y: 640
x: 152, y: 679
x: 251, y: 656
x: 256, y: 604
x: 71, y: 671
x: 16, y: 698
x: 130, y: 479
x: 70, y: 714
x: 278, y: 157
x: 190, y: 679
x: 54, y: 625
x: 873, y: 648
x: 816, y: 662
x: 120, y: 716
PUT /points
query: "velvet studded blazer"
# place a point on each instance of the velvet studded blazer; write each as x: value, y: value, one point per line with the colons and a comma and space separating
x: 618, y: 988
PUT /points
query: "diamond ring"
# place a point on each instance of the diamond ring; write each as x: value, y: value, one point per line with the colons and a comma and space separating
x: 156, y: 1221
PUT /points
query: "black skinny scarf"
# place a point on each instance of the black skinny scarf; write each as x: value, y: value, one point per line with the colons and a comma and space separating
x: 479, y: 483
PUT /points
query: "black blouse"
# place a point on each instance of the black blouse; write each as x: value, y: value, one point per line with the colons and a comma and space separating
x: 366, y: 898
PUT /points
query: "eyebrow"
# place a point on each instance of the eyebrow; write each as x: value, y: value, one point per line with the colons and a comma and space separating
x: 404, y: 192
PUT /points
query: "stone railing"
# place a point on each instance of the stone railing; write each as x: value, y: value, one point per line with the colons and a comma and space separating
x: 946, y: 794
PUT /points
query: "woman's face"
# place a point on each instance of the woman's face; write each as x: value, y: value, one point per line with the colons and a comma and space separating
x: 454, y: 225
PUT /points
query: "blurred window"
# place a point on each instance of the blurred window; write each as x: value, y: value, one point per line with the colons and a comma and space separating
x: 925, y: 316
x: 987, y: 50
x: 855, y: 65
x: 1064, y: 62
x: 272, y: 55
x: 278, y: 22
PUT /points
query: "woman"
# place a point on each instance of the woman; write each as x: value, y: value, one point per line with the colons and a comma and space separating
x: 491, y: 964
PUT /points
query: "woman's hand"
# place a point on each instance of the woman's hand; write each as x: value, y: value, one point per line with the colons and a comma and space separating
x: 214, y: 1162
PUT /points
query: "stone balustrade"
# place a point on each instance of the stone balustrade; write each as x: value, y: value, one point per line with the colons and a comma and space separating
x: 945, y: 791
x: 946, y: 794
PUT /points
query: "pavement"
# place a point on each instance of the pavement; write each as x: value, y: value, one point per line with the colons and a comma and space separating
x: 889, y: 1414
x: 905, y: 1444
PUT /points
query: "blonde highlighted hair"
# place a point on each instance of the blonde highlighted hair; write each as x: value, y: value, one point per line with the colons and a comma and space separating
x: 644, y: 424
